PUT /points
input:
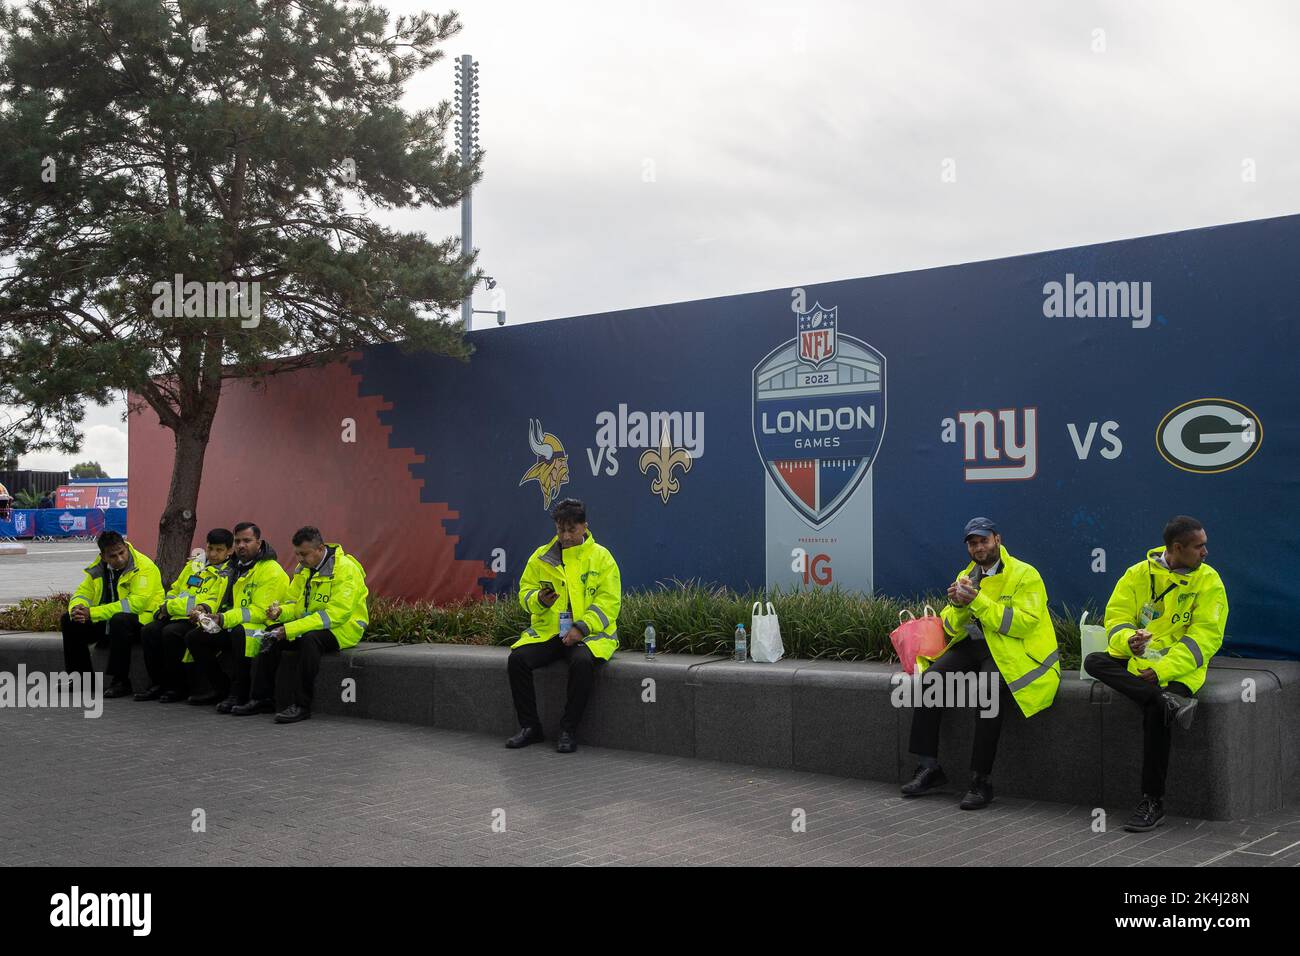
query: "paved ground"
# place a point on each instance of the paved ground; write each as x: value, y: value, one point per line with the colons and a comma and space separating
x: 48, y: 567
x: 124, y: 789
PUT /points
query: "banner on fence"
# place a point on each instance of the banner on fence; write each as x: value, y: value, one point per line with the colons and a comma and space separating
x: 832, y: 434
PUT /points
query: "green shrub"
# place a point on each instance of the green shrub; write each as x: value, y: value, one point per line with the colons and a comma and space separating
x: 688, y: 617
x: 693, y: 618
x: 34, y: 614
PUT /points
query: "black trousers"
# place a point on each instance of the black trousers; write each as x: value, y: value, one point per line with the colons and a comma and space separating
x: 164, y: 649
x: 1156, y: 737
x: 210, y: 649
x: 123, y: 631
x: 965, y: 657
x: 288, y: 670
x: 582, y: 674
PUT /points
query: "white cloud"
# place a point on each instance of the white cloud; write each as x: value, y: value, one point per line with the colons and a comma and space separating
x: 105, y: 442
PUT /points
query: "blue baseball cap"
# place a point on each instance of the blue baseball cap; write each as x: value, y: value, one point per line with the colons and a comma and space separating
x: 980, y: 526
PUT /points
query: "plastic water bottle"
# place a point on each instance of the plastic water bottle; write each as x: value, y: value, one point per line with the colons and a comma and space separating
x: 1151, y: 654
x: 650, y: 642
x: 742, y: 644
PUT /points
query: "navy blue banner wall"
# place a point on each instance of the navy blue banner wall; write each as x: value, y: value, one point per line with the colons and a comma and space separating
x: 843, y: 432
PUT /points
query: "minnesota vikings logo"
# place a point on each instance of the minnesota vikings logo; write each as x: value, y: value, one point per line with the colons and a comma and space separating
x: 551, y: 469
x: 663, y: 460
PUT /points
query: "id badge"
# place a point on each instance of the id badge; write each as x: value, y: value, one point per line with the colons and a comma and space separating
x: 566, y: 622
x: 1147, y: 614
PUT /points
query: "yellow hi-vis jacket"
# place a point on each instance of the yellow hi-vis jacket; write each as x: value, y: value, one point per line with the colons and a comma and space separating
x: 254, y: 591
x: 1011, y: 611
x: 198, y: 583
x: 587, y: 581
x: 332, y: 599
x: 1192, y: 611
x: 139, y: 589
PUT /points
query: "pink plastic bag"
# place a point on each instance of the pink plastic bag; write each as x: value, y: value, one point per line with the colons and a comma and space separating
x: 917, y: 636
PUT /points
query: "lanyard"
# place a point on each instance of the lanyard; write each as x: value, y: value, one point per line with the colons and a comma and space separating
x: 1156, y: 597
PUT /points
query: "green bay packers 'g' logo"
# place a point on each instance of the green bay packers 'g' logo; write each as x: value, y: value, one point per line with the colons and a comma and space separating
x: 1209, y: 436
x: 551, y: 469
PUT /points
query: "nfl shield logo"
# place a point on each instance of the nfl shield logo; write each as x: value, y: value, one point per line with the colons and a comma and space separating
x: 818, y: 430
x: 816, y: 330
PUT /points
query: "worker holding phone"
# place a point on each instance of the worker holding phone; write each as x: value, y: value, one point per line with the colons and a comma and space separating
x: 572, y: 591
x: 998, y: 631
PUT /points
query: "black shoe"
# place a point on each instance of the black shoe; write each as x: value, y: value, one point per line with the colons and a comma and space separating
x: 171, y: 697
x: 567, y: 744
x: 153, y: 693
x: 980, y: 794
x: 204, y: 700
x: 1181, y: 709
x: 526, y: 736
x: 254, y: 707
x: 292, y: 714
x: 119, y: 688
x: 1149, y: 815
x: 926, y: 780
x: 228, y: 705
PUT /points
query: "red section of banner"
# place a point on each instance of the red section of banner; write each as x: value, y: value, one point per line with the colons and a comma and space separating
x: 80, y: 496
x: 294, y: 468
x: 801, y: 476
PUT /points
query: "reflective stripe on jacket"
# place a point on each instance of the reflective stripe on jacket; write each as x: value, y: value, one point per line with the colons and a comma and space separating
x: 1011, y: 613
x: 332, y: 599
x: 139, y: 589
x: 254, y: 591
x: 196, y: 584
x: 1192, y: 613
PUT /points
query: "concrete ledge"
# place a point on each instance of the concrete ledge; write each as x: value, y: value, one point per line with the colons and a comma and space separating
x: 1240, y: 758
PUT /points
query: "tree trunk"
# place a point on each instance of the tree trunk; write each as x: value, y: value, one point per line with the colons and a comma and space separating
x: 179, y: 518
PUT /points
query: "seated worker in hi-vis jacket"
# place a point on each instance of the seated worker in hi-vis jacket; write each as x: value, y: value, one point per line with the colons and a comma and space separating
x: 325, y: 611
x: 572, y: 591
x: 1164, y: 622
x: 163, y: 638
x: 998, y: 630
x: 116, y: 599
x: 251, y: 581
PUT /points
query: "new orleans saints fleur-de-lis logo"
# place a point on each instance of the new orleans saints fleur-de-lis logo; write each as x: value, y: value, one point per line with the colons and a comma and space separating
x: 664, y: 459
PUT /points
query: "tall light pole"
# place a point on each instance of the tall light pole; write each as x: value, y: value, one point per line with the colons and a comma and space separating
x: 467, y: 143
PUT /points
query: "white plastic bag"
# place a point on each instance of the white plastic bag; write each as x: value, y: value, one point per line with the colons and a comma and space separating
x: 1092, y: 638
x: 765, y: 635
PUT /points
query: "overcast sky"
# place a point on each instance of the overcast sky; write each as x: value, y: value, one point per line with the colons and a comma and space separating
x: 641, y: 153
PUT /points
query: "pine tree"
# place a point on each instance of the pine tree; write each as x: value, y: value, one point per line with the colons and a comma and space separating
x: 149, y: 144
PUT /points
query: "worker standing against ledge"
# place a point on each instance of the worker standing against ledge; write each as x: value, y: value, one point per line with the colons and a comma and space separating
x: 572, y: 589
x: 998, y: 625
x: 324, y: 611
x: 118, y: 596
x: 1164, y: 621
